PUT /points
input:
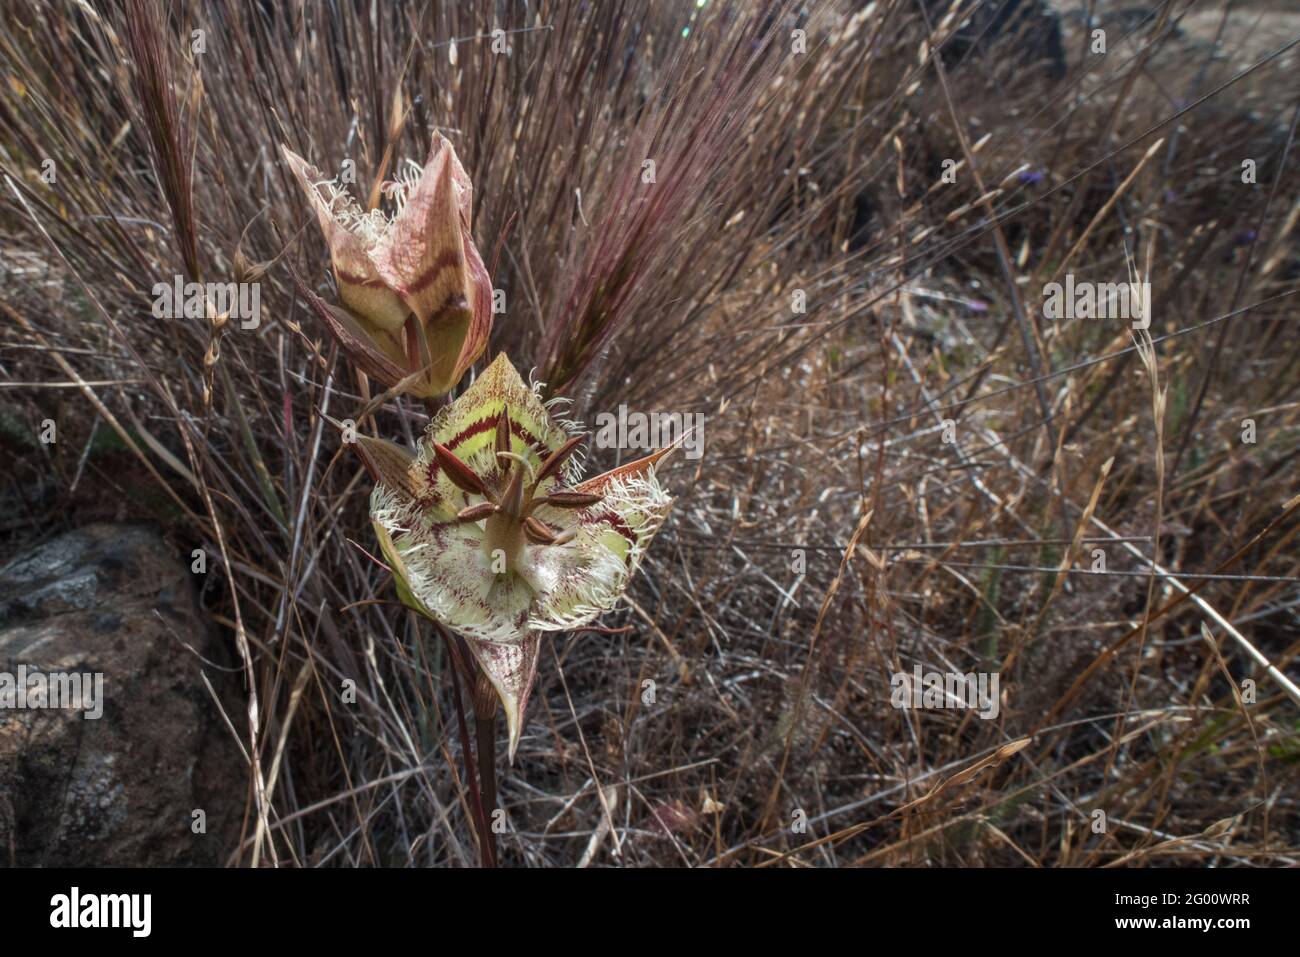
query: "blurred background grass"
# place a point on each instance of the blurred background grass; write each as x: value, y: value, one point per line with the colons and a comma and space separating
x: 787, y: 166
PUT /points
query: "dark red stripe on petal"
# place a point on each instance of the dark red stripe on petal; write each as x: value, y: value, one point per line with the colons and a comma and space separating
x: 353, y: 279
x: 454, y: 304
x: 540, y: 448
x: 448, y: 260
x: 614, y: 521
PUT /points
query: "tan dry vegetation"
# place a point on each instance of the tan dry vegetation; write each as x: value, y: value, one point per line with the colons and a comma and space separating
x: 772, y: 685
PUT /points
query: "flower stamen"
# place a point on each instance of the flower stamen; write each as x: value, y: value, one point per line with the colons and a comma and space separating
x: 476, y: 513
x: 538, y: 532
x: 460, y: 474
x: 555, y: 460
x: 567, y: 499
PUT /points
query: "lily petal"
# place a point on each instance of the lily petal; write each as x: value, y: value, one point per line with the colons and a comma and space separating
x: 373, y: 351
x: 361, y: 286
x: 569, y: 560
x: 467, y: 427
x: 579, y: 581
x: 451, y: 573
x: 401, y: 577
x: 509, y: 665
x: 429, y: 259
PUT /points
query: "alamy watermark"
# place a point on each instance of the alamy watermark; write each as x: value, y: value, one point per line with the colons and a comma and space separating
x: 31, y: 689
x: 129, y: 911
x: 648, y: 431
x: 1098, y: 300
x: 976, y: 691
x: 241, y: 301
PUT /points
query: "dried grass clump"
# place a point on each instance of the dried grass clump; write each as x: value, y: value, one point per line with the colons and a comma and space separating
x: 830, y: 537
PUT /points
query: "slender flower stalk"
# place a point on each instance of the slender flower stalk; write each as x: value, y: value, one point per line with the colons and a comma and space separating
x: 488, y: 530
x: 416, y: 306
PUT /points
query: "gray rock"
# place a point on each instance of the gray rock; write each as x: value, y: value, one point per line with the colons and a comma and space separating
x: 120, y: 789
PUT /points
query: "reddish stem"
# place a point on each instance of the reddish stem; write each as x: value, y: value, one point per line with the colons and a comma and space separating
x: 486, y: 844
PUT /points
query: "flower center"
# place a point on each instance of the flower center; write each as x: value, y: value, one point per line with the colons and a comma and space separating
x: 509, y: 507
x: 503, y: 539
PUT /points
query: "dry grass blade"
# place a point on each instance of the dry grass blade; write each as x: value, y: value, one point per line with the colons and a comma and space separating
x: 830, y: 229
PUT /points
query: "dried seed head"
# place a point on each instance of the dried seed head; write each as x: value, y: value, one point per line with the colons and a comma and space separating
x: 246, y: 271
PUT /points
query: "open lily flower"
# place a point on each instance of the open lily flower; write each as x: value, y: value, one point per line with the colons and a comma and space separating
x: 488, y: 531
x: 415, y: 293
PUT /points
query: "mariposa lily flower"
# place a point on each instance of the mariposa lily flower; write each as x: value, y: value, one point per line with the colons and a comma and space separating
x: 416, y: 296
x: 488, y: 530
